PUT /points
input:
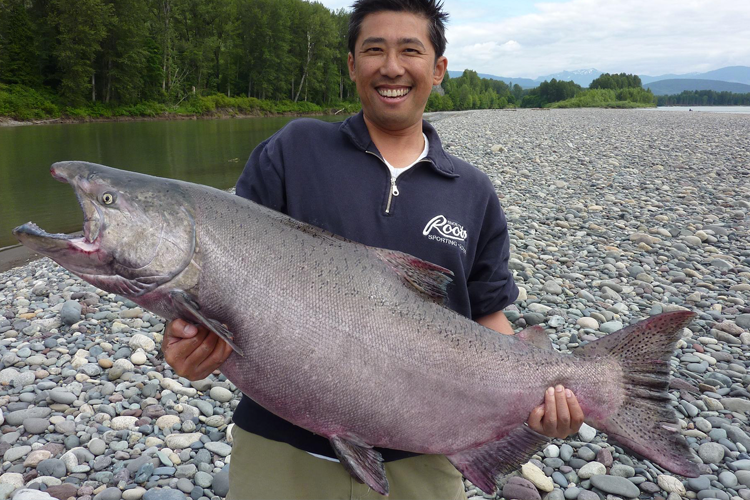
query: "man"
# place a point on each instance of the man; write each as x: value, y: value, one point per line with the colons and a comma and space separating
x: 383, y: 179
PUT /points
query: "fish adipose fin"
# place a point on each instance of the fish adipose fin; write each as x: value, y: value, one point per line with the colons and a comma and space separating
x: 427, y: 278
x: 536, y: 336
x: 362, y: 461
x: 483, y: 465
x: 645, y: 422
x: 192, y: 311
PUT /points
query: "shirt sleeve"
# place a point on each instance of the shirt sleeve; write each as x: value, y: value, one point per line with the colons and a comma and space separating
x: 491, y: 286
x: 262, y: 180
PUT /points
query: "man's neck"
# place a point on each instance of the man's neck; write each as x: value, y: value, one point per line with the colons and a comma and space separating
x: 400, y: 148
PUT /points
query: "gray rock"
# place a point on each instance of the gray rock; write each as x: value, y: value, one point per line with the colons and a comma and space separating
x: 16, y: 453
x: 52, y: 467
x: 109, y: 494
x: 220, y: 485
x: 168, y: 494
x: 36, y: 425
x: 203, y: 479
x: 711, y: 453
x: 221, y: 449
x: 70, y: 312
x: 615, y: 485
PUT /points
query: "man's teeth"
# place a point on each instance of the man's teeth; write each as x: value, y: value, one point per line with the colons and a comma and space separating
x: 393, y: 92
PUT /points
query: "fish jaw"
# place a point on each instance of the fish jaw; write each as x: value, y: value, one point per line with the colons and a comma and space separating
x: 80, y: 254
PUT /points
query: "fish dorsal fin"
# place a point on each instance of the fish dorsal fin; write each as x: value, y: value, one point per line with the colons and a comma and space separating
x: 362, y: 461
x: 425, y: 277
x: 536, y: 336
x: 484, y: 464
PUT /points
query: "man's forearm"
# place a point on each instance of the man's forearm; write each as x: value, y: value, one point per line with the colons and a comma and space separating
x: 498, y: 322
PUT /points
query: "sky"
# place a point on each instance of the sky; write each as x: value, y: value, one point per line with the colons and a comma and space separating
x: 524, y: 38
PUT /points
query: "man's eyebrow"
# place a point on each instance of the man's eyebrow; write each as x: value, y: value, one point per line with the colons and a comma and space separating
x: 401, y: 41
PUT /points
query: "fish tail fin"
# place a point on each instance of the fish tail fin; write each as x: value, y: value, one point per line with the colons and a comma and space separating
x: 645, y: 422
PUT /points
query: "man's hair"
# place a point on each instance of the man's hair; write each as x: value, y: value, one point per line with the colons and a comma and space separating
x: 430, y: 9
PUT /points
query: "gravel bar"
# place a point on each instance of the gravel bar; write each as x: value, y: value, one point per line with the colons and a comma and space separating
x: 614, y: 215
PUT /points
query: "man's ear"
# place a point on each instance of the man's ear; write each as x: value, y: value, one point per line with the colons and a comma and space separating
x: 440, y: 67
x: 350, y: 63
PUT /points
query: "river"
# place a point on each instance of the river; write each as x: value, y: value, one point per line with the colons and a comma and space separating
x: 211, y: 152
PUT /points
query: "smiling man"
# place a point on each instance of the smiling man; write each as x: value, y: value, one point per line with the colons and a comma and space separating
x: 383, y: 179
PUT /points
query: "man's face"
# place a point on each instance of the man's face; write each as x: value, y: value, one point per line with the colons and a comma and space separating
x: 394, y: 68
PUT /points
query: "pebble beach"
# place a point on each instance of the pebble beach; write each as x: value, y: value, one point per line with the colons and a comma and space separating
x: 614, y: 215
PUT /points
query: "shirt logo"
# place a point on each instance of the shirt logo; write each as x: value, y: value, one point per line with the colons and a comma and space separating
x: 439, y: 228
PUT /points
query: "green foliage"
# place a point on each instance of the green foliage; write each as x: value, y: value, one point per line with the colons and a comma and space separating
x: 19, y: 59
x: 81, y: 27
x: 469, y: 91
x: 606, y: 98
x: 23, y: 103
x: 704, y: 98
x: 550, y: 92
x: 615, y: 82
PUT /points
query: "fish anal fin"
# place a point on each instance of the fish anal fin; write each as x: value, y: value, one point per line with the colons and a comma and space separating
x: 427, y: 278
x: 191, y: 310
x: 362, y: 461
x: 536, y: 336
x: 483, y: 465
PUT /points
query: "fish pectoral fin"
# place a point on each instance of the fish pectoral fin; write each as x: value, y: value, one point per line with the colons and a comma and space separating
x: 427, y: 278
x: 190, y: 308
x: 536, y: 336
x: 483, y: 465
x: 362, y: 461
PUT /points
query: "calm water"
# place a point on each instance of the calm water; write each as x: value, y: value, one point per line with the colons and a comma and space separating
x: 211, y: 152
x: 707, y: 109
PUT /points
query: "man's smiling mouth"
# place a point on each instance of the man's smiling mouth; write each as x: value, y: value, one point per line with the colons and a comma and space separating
x: 393, y: 93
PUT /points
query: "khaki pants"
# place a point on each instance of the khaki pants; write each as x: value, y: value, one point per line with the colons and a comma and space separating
x: 265, y: 469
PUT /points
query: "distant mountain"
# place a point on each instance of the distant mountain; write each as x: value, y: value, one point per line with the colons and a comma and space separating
x: 737, y: 74
x: 677, y: 85
x: 526, y: 83
x: 582, y: 77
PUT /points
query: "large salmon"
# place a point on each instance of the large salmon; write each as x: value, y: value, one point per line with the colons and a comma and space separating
x: 352, y: 342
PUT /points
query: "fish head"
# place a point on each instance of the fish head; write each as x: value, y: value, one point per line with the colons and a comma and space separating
x: 138, y: 230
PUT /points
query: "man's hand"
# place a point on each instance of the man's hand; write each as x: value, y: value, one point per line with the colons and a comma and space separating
x: 559, y: 416
x: 193, y: 351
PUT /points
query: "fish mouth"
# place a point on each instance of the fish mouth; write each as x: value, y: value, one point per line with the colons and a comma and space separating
x: 39, y: 240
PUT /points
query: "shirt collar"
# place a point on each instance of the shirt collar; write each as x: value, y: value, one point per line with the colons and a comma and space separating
x: 355, y: 129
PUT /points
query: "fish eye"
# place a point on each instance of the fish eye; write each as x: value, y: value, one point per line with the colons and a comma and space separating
x: 108, y: 198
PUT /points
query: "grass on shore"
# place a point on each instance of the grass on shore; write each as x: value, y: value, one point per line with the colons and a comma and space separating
x: 26, y: 104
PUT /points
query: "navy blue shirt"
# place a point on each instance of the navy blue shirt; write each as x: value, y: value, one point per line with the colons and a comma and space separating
x: 442, y: 210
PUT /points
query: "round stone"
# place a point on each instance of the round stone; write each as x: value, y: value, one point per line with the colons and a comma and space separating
x: 616, y: 486
x: 520, y: 489
x: 221, y: 394
x: 592, y: 469
x: 711, y: 453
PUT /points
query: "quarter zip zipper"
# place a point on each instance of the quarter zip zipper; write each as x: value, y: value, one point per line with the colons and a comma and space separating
x: 394, y: 188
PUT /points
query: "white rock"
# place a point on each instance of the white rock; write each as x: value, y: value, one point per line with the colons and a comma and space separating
x: 122, y: 423
x: 180, y: 441
x: 167, y: 421
x: 133, y: 494
x: 537, y: 477
x: 221, y: 394
x: 33, y: 459
x: 552, y: 451
x: 29, y: 494
x: 177, y: 388
x: 12, y: 478
x: 140, y: 341
x: 592, y: 469
x: 587, y: 322
x: 139, y: 357
x: 70, y: 460
x: 671, y: 484
x: 47, y: 480
x: 586, y: 433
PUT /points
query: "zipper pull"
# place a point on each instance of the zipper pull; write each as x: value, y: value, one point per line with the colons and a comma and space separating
x: 394, y: 189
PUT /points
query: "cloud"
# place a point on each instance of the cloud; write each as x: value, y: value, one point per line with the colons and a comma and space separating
x: 639, y: 36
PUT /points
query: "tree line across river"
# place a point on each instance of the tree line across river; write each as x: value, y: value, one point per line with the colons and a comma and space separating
x: 109, y: 58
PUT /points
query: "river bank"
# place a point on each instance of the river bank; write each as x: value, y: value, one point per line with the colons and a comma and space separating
x: 613, y: 215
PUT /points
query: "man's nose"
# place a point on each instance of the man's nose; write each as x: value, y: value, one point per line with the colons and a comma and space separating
x: 392, y: 66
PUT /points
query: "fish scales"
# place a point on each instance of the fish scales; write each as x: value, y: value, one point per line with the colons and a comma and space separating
x: 352, y: 342
x: 324, y: 338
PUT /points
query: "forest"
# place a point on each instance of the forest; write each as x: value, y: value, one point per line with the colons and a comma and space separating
x: 83, y: 59
x: 704, y: 98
